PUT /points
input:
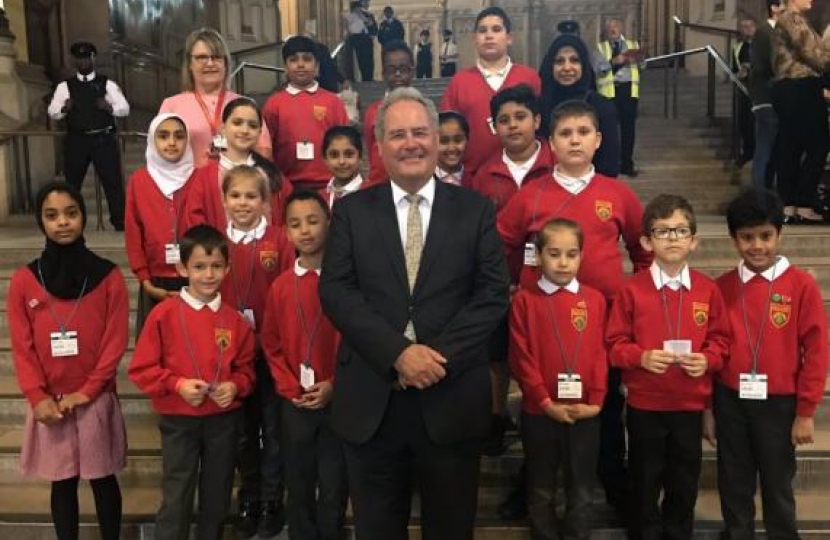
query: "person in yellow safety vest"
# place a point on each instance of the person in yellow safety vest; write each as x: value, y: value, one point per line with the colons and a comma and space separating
x: 616, y: 63
x: 741, y: 62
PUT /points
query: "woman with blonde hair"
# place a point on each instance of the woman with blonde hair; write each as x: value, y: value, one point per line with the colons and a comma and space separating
x: 206, y: 66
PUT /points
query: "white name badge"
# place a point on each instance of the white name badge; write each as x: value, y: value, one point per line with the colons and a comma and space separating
x: 306, y: 376
x: 305, y: 151
x: 219, y: 142
x: 250, y: 317
x: 492, y: 125
x: 530, y: 255
x: 570, y: 386
x: 64, y: 343
x: 752, y: 386
x: 172, y: 254
x: 678, y: 346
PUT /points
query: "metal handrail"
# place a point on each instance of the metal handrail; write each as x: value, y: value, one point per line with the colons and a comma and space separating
x: 238, y: 74
x: 706, y: 28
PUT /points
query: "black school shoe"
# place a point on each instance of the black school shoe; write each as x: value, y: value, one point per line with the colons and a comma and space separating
x: 271, y: 519
x: 247, y: 519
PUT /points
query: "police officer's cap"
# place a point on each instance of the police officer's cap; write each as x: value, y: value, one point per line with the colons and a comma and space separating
x: 83, y: 49
x: 568, y: 27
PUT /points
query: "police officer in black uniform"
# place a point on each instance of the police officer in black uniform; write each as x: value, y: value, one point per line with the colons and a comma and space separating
x: 90, y: 102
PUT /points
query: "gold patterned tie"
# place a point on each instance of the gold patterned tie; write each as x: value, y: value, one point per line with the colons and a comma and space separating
x: 412, y: 251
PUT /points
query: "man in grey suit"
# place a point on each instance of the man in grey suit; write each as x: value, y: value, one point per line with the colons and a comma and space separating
x: 414, y: 278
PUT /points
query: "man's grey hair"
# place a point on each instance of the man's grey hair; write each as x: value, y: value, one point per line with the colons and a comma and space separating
x: 407, y: 93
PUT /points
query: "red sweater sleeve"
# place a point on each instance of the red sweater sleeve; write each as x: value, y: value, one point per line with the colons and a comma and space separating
x: 449, y: 101
x: 114, y: 340
x: 133, y: 229
x: 196, y: 205
x: 272, y: 344
x: 623, y: 350
x: 718, y: 333
x: 27, y: 366
x: 147, y: 370
x: 242, y: 365
x: 513, y: 231
x: 523, y: 364
x: 812, y: 336
x: 633, y: 230
x: 598, y: 386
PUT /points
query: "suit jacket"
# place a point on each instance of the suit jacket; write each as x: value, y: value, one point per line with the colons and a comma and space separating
x: 460, y: 295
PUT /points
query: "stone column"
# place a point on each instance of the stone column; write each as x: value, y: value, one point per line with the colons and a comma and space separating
x: 13, y: 111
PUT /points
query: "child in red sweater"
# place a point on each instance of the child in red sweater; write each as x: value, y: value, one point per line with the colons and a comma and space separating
x: 299, y: 116
x: 155, y: 213
x: 67, y: 314
x: 668, y: 332
x: 258, y: 253
x: 241, y: 129
x: 471, y: 90
x: 398, y: 70
x: 301, y: 346
x: 606, y: 210
x: 453, y: 136
x: 342, y: 150
x: 195, y: 358
x: 773, y: 378
x: 557, y: 354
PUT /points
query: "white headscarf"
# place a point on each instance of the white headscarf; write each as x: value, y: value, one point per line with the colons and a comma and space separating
x: 169, y: 177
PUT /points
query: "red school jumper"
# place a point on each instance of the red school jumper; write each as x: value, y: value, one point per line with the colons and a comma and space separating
x: 469, y: 94
x: 285, y: 338
x: 793, y: 352
x: 494, y: 181
x: 606, y: 210
x: 151, y: 221
x: 254, y: 266
x: 535, y: 357
x: 221, y: 340
x: 100, y: 320
x: 637, y: 323
x: 377, y: 172
x: 303, y: 117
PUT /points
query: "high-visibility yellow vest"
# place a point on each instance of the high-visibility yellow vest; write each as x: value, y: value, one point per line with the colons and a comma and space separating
x: 605, y: 83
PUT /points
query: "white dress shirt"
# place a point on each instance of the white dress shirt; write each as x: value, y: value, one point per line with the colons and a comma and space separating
x: 770, y: 274
x: 352, y: 187
x: 246, y: 237
x: 519, y: 171
x: 197, y: 304
x: 662, y: 279
x: 549, y: 287
x: 573, y: 184
x: 495, y: 78
x: 402, y: 207
x: 450, y: 177
x: 293, y: 90
x: 301, y: 270
x: 449, y: 52
x: 114, y: 97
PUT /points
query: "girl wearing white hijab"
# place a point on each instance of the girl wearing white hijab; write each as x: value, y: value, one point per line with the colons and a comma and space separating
x: 155, y: 215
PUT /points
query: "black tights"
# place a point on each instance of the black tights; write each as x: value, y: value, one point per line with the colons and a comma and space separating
x: 107, y: 505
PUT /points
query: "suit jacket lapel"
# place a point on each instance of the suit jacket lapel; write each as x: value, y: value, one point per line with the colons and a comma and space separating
x: 389, y: 231
x: 439, y: 225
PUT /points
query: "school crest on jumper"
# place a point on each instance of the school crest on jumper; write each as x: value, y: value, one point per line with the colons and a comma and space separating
x: 268, y: 260
x: 700, y: 312
x: 603, y: 209
x: 779, y: 310
x: 579, y: 316
x: 319, y: 112
x: 223, y: 338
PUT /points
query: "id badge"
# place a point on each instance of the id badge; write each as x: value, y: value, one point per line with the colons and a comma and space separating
x: 570, y: 386
x: 752, y: 386
x: 171, y: 254
x: 306, y: 376
x: 248, y: 313
x: 492, y: 125
x: 678, y: 346
x: 530, y: 255
x: 219, y: 142
x: 305, y: 151
x: 64, y: 343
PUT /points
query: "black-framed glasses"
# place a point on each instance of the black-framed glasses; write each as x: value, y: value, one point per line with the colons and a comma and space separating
x: 664, y: 233
x: 204, y: 58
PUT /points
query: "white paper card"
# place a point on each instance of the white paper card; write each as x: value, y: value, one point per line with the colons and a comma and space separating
x: 172, y: 254
x: 530, y: 254
x: 752, y: 386
x: 250, y: 317
x: 305, y: 151
x: 306, y: 376
x: 679, y: 346
x: 570, y: 386
x: 64, y: 343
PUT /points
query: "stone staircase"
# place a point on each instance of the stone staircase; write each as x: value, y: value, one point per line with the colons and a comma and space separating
x: 683, y: 156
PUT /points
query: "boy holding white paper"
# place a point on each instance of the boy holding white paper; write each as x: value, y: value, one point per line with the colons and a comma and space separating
x: 773, y: 378
x: 668, y: 331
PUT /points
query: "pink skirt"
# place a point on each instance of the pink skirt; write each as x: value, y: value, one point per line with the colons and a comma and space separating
x: 90, y: 442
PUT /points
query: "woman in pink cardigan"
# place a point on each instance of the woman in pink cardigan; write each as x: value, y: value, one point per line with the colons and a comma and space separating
x: 205, y: 71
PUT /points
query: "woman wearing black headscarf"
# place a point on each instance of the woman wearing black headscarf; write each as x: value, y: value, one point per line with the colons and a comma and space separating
x: 566, y: 74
